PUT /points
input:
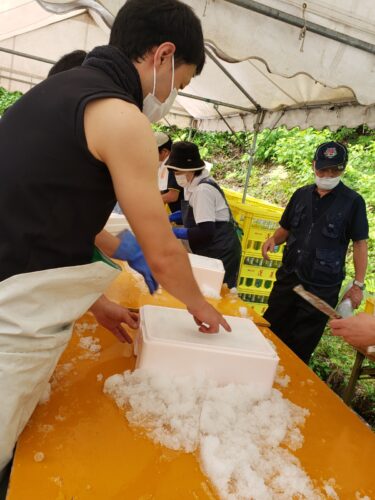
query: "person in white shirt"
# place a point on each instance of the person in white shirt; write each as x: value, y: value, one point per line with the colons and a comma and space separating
x: 171, y: 192
x: 208, y: 223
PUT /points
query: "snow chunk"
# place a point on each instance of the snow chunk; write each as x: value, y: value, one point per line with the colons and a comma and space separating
x: 39, y: 456
x: 99, y: 377
x: 207, y: 291
x: 45, y: 395
x: 281, y: 378
x: 243, y: 311
x: 245, y: 442
x: 90, y: 344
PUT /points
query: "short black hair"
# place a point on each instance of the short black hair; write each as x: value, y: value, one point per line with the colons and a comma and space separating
x: 68, y: 61
x: 167, y: 145
x: 141, y: 25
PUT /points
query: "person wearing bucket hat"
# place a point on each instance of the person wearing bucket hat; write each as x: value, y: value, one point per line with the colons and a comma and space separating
x: 317, y: 225
x: 209, y: 226
x: 171, y: 192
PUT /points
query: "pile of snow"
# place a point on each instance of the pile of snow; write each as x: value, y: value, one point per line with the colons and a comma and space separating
x: 245, y: 442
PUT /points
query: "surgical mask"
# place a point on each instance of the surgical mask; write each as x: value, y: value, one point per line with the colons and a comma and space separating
x: 182, y: 180
x: 327, y: 183
x: 152, y: 107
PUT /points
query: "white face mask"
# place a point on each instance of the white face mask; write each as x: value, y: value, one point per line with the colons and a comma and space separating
x: 327, y: 183
x: 152, y: 107
x: 182, y: 180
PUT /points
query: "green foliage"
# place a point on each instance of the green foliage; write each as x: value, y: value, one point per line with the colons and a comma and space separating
x: 7, y: 99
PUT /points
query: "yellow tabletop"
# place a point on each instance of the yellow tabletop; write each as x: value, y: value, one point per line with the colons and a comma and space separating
x: 90, y: 452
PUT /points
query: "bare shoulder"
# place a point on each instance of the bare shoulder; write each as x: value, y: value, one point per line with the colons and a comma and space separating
x: 115, y: 123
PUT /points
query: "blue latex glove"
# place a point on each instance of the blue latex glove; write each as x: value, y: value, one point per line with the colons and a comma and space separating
x: 130, y: 251
x: 176, y: 217
x: 180, y: 232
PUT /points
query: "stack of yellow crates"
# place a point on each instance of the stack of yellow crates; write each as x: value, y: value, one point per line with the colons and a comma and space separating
x: 258, y: 220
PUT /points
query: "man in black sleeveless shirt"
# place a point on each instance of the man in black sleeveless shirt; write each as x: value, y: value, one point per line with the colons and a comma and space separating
x: 69, y: 148
x: 317, y: 224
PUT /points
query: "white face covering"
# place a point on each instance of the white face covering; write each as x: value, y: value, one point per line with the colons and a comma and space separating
x: 182, y: 180
x: 152, y: 107
x: 327, y: 183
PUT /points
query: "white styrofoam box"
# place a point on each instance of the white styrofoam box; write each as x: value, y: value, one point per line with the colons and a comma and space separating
x: 169, y: 341
x: 208, y: 273
x: 116, y: 223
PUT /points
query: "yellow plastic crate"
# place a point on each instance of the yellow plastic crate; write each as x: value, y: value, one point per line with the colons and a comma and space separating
x: 255, y: 247
x: 256, y: 285
x: 258, y: 301
x: 255, y: 267
x: 236, y: 197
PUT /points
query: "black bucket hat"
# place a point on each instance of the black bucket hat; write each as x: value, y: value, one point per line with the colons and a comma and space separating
x: 185, y: 156
x: 331, y: 155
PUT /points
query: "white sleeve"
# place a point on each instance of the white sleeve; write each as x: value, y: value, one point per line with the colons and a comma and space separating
x: 204, y: 204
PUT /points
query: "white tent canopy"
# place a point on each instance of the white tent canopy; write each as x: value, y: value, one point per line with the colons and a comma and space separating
x: 258, y: 69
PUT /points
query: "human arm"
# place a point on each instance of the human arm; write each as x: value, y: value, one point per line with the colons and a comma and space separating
x: 355, y: 294
x: 358, y: 330
x: 125, y: 247
x: 278, y: 238
x: 119, y: 135
x: 171, y: 196
x: 107, y: 243
x: 111, y: 316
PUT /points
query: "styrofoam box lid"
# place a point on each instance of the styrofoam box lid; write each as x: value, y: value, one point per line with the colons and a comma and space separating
x: 176, y: 326
x: 201, y: 262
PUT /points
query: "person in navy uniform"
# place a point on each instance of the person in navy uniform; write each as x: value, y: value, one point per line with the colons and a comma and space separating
x: 317, y: 226
x: 208, y: 222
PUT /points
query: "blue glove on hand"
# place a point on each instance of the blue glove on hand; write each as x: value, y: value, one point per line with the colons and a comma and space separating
x: 176, y: 217
x: 180, y: 232
x: 130, y: 251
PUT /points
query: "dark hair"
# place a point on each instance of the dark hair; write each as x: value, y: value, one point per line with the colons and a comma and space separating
x: 68, y: 61
x: 167, y: 145
x: 141, y: 25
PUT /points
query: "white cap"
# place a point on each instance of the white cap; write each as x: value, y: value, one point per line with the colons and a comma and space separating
x: 161, y: 138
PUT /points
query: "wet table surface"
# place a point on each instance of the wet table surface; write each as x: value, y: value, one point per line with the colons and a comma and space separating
x: 90, y: 451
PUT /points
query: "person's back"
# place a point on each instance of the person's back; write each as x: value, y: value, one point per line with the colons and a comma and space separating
x: 41, y: 217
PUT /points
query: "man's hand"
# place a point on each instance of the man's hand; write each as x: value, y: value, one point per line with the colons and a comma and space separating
x: 208, y: 318
x: 268, y: 246
x: 111, y: 316
x: 355, y: 294
x: 130, y: 251
x: 358, y: 330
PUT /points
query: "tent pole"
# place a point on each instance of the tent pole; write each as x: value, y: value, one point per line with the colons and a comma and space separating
x: 27, y: 56
x: 279, y: 15
x: 257, y: 124
x: 232, y: 79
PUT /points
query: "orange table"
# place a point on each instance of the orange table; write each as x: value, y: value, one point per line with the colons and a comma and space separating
x: 90, y: 452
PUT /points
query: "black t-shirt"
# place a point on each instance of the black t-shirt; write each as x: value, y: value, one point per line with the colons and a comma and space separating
x: 172, y: 185
x: 357, y: 228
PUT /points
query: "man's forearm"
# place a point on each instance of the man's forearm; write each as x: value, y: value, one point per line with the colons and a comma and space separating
x: 170, y: 197
x: 280, y: 235
x: 107, y: 243
x: 171, y: 268
x: 360, y: 259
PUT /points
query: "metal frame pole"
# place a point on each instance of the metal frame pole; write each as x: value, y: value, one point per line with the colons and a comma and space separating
x: 301, y: 23
x: 257, y: 124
